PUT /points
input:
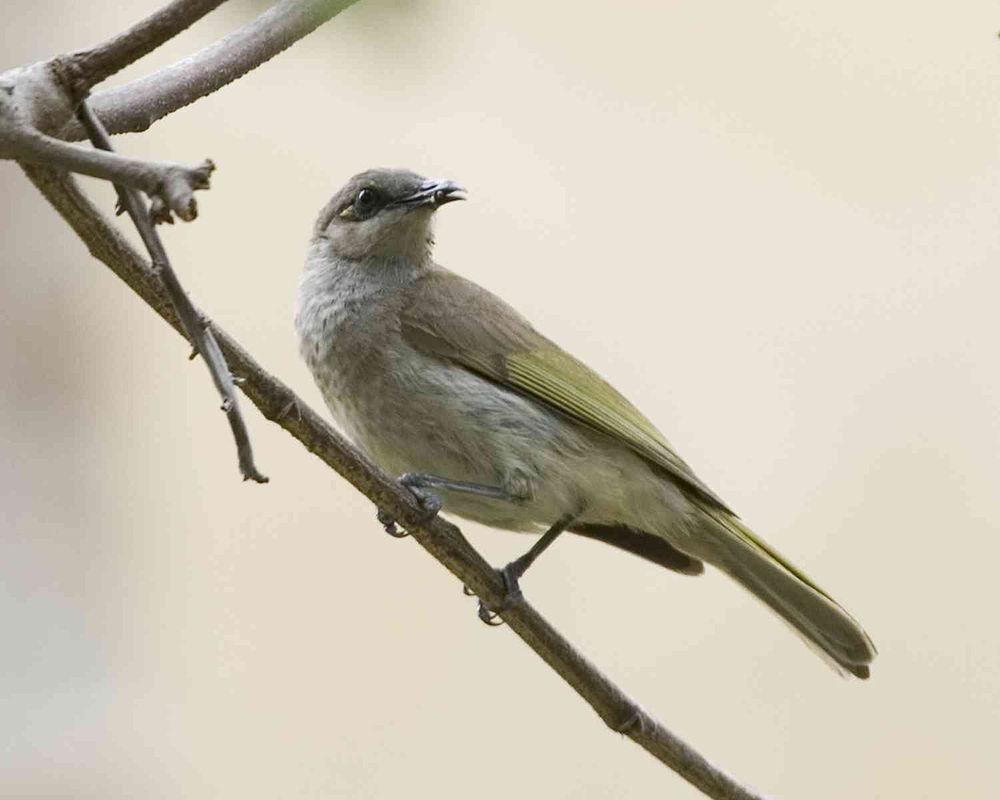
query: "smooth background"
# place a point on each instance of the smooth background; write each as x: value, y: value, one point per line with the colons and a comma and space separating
x: 773, y: 225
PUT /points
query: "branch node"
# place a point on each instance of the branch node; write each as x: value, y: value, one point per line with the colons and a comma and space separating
x: 70, y: 75
x: 137, y: 105
x: 159, y: 212
x: 632, y: 717
x: 250, y: 473
x: 89, y: 67
x: 291, y: 405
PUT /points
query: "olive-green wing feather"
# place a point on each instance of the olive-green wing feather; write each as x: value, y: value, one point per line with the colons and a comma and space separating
x: 455, y: 319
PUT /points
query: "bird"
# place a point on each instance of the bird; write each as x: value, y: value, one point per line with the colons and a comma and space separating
x: 444, y: 384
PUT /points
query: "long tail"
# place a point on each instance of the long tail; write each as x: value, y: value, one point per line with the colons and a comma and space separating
x: 806, y: 607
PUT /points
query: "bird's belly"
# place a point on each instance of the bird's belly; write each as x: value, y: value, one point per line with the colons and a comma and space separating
x: 419, y: 415
x: 411, y: 413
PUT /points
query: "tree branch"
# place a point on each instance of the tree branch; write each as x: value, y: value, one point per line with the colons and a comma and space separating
x: 40, y: 97
x: 193, y: 324
x: 89, y: 67
x: 171, y: 185
x: 137, y: 105
x: 440, y: 538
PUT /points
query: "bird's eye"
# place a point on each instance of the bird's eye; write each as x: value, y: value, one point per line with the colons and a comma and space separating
x: 366, y: 201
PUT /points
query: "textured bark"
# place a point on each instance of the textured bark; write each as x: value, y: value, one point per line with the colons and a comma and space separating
x: 92, y: 66
x: 137, y: 105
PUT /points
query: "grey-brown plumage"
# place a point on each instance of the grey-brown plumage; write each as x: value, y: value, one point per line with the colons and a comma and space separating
x: 433, y: 375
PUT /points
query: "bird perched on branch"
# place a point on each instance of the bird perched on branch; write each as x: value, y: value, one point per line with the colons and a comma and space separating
x: 446, y: 385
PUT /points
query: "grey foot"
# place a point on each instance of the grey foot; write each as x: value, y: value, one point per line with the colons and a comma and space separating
x: 512, y: 594
x: 429, y: 502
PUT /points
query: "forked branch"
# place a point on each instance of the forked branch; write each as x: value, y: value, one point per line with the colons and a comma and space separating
x: 172, y: 186
x: 32, y: 100
x: 88, y: 68
x: 137, y: 105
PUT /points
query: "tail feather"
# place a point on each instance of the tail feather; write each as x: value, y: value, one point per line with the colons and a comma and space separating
x: 813, y: 613
x: 646, y: 545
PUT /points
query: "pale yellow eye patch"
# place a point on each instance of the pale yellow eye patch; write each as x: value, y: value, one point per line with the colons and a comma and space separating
x: 348, y: 213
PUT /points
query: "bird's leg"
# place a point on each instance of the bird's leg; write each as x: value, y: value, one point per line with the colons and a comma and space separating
x: 420, y: 485
x: 418, y: 480
x: 515, y: 570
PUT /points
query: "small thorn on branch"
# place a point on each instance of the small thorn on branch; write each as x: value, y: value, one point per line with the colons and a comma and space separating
x: 631, y: 719
x: 290, y: 406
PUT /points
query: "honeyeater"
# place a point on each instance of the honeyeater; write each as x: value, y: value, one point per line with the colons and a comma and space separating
x: 443, y: 383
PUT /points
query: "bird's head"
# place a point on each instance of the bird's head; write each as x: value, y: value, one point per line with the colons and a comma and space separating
x: 384, y: 213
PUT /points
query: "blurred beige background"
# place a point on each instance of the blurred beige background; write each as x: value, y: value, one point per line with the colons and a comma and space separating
x: 773, y: 225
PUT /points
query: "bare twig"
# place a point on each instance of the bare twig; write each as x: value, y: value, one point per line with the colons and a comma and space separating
x: 440, y: 538
x: 171, y: 185
x: 87, y: 68
x: 194, y: 326
x: 137, y: 105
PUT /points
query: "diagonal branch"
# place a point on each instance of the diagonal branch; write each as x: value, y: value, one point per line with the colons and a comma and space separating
x: 193, y: 325
x: 137, y: 105
x: 90, y: 67
x: 440, y: 538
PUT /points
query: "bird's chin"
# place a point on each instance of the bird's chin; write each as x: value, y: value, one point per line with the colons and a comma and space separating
x: 410, y: 239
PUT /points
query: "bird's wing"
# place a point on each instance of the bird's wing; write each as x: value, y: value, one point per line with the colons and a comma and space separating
x: 455, y: 319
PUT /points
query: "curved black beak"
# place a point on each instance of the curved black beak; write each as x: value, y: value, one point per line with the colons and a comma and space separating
x: 433, y: 193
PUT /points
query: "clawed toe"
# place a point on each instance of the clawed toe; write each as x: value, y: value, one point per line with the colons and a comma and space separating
x: 488, y: 617
x: 512, y: 594
x: 385, y: 518
x: 429, y: 502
